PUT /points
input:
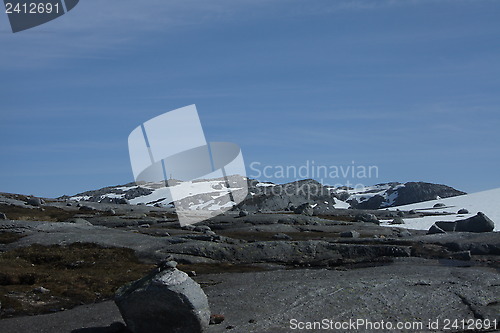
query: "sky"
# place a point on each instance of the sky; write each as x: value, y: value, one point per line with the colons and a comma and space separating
x: 410, y: 87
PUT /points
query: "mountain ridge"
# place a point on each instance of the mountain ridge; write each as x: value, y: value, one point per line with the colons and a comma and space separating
x: 268, y: 196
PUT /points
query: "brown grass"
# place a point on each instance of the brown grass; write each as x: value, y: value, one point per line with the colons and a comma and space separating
x: 8, y: 237
x: 76, y: 274
x: 50, y: 214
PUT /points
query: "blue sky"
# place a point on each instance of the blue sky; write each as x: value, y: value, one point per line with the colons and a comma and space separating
x: 411, y: 87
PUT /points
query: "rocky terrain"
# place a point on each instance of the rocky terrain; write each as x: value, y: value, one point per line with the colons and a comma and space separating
x: 62, y: 262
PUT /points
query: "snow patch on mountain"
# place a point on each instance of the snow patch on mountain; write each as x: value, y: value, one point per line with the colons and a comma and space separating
x: 487, y: 202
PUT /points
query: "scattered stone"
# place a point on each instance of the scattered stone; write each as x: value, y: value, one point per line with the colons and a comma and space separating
x: 41, y: 290
x: 463, y: 211
x: 281, y: 236
x: 69, y: 204
x: 87, y: 209
x: 439, y: 205
x: 216, y: 319
x: 110, y: 211
x: 202, y: 228
x: 398, y: 220
x: 304, y: 209
x: 3, y: 216
x: 33, y: 201
x: 122, y: 201
x: 435, y: 230
x: 79, y: 220
x: 169, y: 264
x: 189, y: 227
x: 164, y: 301
x: 350, y: 234
x: 191, y: 273
x: 412, y: 212
x: 405, y: 233
x: 145, y: 225
x: 243, y: 213
x: 251, y: 321
x: 367, y: 217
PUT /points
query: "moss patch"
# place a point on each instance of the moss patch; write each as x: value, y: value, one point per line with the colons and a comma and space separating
x: 8, y: 237
x: 50, y: 214
x: 76, y: 274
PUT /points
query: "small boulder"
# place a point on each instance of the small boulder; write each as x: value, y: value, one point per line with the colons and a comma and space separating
x: 188, y: 227
x: 281, y: 236
x: 3, y: 216
x: 33, y: 201
x: 304, y: 209
x: 439, y: 205
x: 242, y: 213
x: 367, y: 217
x: 167, y: 300
x: 41, y: 290
x: 202, y: 228
x: 216, y: 319
x: 86, y: 208
x: 463, y: 211
x: 404, y: 233
x: 397, y: 220
x: 350, y: 234
x: 435, y: 230
x: 79, y: 220
x: 110, y: 211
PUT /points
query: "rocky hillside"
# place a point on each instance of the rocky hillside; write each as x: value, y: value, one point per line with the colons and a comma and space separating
x: 396, y: 194
x: 266, y: 196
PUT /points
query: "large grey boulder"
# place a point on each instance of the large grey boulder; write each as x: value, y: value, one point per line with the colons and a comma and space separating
x: 34, y: 201
x: 477, y: 223
x: 165, y: 301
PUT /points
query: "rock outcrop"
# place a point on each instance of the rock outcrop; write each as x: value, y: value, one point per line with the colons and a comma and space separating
x: 477, y: 223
